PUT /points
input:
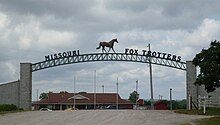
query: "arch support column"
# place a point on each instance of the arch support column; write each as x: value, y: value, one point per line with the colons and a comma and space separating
x: 25, y: 87
x: 191, y: 88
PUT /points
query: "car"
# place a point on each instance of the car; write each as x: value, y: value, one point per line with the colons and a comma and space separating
x: 111, y: 107
x: 45, y: 109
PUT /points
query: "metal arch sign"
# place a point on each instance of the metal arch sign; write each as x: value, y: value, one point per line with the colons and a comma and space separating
x: 127, y: 51
x: 131, y: 55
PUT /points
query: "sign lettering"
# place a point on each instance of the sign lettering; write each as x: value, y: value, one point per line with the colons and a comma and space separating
x: 62, y: 55
x: 155, y: 54
x: 161, y: 55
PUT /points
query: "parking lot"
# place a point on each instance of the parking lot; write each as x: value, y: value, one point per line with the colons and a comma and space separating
x: 97, y: 117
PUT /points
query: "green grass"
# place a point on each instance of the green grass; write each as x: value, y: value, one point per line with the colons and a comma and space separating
x: 209, y: 121
x: 209, y: 111
x: 189, y: 112
x: 215, y: 112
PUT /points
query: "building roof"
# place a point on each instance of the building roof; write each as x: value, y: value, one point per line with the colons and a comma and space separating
x: 82, y: 98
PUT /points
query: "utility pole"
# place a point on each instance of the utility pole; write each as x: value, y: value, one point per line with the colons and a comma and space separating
x: 171, y: 106
x: 151, y: 82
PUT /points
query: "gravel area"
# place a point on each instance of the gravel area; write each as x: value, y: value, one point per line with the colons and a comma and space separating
x: 98, y: 117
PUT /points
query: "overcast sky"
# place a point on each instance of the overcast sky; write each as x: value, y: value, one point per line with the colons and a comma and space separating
x: 31, y: 29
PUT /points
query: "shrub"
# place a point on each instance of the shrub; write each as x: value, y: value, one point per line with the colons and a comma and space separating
x: 8, y: 107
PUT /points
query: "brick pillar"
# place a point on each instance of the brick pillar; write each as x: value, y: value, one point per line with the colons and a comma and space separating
x: 25, y: 93
x: 191, y: 89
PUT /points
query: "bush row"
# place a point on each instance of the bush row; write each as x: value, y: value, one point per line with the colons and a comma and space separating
x: 8, y: 107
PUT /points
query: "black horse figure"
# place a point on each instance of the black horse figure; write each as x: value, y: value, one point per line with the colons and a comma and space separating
x: 109, y: 44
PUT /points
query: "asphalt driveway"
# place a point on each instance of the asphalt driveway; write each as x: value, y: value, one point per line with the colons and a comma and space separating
x: 97, y: 117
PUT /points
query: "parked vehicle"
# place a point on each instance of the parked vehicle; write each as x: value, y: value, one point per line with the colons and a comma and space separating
x: 45, y: 109
x: 111, y: 107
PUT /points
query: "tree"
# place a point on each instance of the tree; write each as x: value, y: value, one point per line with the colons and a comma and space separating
x: 43, y: 96
x: 134, y: 96
x: 147, y: 102
x: 209, y: 62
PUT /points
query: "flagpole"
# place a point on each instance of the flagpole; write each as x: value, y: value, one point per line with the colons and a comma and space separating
x: 37, y: 95
x: 95, y: 89
x: 74, y: 104
x: 137, y: 93
x: 103, y: 89
x: 117, y: 95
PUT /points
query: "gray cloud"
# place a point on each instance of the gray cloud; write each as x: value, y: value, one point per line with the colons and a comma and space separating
x: 90, y: 16
x: 30, y: 29
x: 49, y: 7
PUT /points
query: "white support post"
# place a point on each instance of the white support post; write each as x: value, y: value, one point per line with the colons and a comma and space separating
x: 204, y: 105
x: 190, y: 103
x: 199, y: 100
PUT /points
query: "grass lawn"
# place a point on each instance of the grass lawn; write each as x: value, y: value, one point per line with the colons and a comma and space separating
x: 209, y: 121
x: 215, y: 112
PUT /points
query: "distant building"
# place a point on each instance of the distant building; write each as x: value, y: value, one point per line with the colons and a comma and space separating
x: 160, y: 105
x: 83, y: 100
x: 140, y: 102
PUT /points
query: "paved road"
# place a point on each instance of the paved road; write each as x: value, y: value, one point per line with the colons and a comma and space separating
x: 97, y: 117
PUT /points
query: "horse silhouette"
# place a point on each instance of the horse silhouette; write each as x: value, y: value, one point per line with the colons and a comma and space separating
x: 109, y: 44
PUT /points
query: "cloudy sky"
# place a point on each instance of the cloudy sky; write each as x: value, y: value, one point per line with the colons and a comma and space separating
x: 31, y: 29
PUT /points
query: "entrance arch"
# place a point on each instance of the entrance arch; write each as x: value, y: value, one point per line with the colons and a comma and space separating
x: 26, y: 70
x: 108, y: 57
